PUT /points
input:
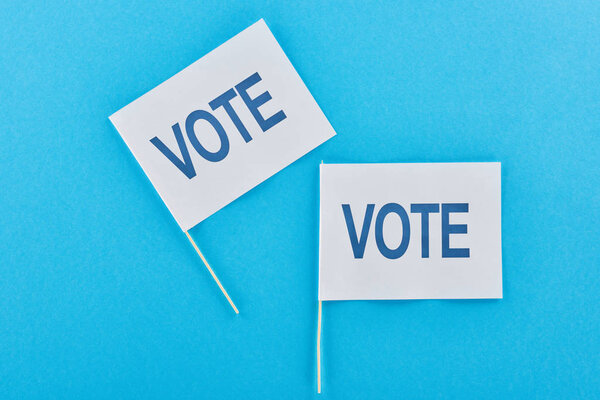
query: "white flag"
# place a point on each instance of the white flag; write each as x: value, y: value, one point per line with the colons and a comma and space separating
x: 223, y: 125
x: 410, y: 231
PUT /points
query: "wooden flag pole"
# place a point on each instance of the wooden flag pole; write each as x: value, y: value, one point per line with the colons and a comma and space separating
x: 319, y: 349
x: 211, y: 272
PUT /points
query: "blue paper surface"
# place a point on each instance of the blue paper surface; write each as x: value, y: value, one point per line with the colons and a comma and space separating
x: 101, y: 295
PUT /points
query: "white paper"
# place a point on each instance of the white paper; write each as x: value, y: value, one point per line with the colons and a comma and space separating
x: 214, y: 184
x: 448, y: 274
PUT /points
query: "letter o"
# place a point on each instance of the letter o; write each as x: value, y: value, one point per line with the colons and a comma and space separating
x: 383, y: 249
x: 189, y: 128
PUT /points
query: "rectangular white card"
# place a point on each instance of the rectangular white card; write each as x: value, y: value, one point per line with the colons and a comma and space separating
x: 222, y: 125
x: 410, y: 231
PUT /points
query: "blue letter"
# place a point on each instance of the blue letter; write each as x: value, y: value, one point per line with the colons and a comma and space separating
x: 424, y: 210
x: 189, y: 128
x: 358, y: 246
x: 253, y: 104
x: 224, y: 101
x: 447, y: 229
x: 383, y: 249
x: 184, y: 166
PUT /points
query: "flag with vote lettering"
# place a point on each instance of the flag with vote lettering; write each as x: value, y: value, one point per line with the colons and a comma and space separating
x: 410, y: 231
x: 222, y: 125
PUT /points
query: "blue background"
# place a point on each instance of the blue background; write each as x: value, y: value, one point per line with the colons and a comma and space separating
x: 101, y: 295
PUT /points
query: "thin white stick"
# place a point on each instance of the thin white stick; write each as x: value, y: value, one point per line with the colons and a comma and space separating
x: 211, y: 272
x: 319, y: 350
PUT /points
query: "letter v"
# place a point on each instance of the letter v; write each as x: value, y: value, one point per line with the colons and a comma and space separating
x: 358, y: 245
x: 184, y: 166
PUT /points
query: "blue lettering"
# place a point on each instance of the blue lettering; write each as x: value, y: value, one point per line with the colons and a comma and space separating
x: 189, y: 128
x: 253, y: 104
x: 358, y: 245
x: 448, y: 229
x: 184, y: 166
x: 425, y: 210
x: 383, y: 249
x: 224, y: 101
